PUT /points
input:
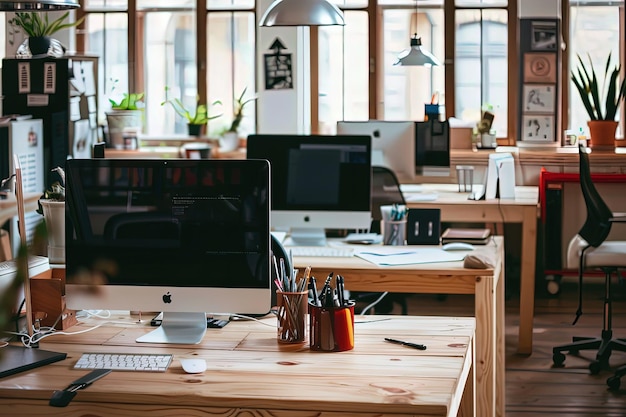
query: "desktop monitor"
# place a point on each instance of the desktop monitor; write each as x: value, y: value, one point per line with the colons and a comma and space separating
x: 393, y: 144
x: 185, y: 237
x: 318, y: 183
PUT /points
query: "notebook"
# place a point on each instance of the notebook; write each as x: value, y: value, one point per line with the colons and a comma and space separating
x: 15, y: 359
x: 469, y: 235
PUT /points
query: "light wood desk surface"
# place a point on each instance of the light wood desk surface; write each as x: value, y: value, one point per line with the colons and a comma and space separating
x: 442, y: 278
x: 8, y: 206
x: 455, y: 207
x: 250, y: 373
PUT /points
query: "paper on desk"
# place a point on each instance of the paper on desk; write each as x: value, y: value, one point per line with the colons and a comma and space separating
x: 406, y: 255
x: 420, y: 197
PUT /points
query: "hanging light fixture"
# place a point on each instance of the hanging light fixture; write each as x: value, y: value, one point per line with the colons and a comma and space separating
x: 38, y: 5
x: 302, y: 13
x: 415, y: 55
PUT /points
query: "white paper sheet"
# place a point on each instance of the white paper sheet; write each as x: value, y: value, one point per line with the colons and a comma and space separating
x: 407, y: 255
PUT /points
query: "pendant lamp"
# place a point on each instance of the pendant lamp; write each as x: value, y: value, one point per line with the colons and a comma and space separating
x: 302, y: 13
x: 37, y: 5
x: 415, y: 55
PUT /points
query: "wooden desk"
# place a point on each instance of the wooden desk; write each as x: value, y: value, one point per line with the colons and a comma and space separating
x: 250, y: 373
x: 443, y: 278
x: 455, y: 207
x: 8, y: 206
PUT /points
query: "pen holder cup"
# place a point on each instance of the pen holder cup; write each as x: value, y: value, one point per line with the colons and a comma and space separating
x: 394, y: 232
x: 332, y: 328
x: 291, y: 314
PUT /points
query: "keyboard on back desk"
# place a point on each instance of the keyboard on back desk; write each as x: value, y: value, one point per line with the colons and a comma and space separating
x: 151, y: 362
x: 321, y: 251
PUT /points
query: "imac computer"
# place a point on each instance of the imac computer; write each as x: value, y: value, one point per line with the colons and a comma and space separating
x: 393, y: 144
x: 183, y: 237
x: 318, y: 183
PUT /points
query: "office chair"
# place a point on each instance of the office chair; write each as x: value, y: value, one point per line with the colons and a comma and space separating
x: 589, y: 250
x: 385, y: 191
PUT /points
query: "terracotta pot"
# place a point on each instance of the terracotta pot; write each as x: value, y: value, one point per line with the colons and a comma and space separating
x: 602, y: 134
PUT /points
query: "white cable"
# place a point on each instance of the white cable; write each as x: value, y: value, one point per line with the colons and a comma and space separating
x: 253, y: 318
x: 374, y: 303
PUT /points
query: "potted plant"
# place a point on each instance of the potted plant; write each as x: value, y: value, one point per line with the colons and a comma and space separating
x: 52, y: 206
x: 230, y: 138
x: 601, y: 100
x: 197, y: 118
x: 125, y: 117
x: 39, y: 29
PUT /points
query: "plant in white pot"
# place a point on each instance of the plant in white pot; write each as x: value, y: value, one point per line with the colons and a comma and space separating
x: 230, y: 138
x: 52, y: 207
x: 126, y: 115
x: 601, y: 100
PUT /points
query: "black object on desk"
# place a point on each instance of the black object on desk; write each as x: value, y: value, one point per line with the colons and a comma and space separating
x: 15, y: 359
x: 62, y: 398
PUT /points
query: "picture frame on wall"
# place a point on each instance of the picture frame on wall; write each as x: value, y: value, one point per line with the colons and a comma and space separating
x: 540, y: 67
x: 543, y: 35
x: 539, y: 98
x: 538, y: 128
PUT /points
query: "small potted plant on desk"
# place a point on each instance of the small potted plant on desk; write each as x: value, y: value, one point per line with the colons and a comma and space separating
x: 52, y: 207
x: 39, y: 29
x: 125, y: 115
x: 600, y: 101
x: 196, y: 120
x: 230, y: 138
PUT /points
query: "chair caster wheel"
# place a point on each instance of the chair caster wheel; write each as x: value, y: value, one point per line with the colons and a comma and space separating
x: 613, y: 382
x: 595, y: 367
x: 558, y: 358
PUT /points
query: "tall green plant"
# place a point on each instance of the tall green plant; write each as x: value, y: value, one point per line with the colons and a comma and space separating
x: 596, y: 97
x: 198, y: 117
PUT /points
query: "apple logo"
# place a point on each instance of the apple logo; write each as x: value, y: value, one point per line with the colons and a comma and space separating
x: 167, y: 298
x: 376, y: 133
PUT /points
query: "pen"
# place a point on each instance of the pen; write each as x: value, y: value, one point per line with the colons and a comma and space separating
x: 409, y: 344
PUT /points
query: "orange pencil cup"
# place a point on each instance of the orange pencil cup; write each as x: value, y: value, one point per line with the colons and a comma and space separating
x: 291, y: 314
x: 331, y: 328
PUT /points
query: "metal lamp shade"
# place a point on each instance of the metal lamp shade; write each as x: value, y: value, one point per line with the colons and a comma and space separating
x: 302, y: 13
x: 43, y: 5
x: 416, y: 55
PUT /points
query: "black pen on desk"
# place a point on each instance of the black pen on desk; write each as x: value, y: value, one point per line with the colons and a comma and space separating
x: 313, y: 288
x: 408, y: 344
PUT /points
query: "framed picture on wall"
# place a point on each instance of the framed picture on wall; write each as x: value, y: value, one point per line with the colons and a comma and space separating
x: 540, y: 67
x: 539, y: 98
x: 538, y: 128
x: 543, y: 36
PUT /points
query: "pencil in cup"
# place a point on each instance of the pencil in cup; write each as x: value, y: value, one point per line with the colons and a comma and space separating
x: 291, y: 315
x: 331, y: 328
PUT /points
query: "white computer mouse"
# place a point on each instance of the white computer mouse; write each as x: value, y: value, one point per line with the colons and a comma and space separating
x: 193, y: 366
x: 457, y: 246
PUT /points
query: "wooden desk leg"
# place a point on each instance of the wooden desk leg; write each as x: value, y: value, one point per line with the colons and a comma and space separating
x: 467, y: 407
x: 500, y: 343
x: 485, y: 369
x: 527, y: 281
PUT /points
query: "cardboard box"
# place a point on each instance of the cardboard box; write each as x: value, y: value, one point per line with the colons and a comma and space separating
x: 460, y: 138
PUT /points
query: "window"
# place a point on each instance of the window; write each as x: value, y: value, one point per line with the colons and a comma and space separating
x: 594, y: 31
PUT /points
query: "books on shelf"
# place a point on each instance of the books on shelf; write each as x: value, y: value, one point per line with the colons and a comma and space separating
x: 468, y: 235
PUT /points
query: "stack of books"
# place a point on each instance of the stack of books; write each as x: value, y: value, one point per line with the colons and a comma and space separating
x: 469, y: 235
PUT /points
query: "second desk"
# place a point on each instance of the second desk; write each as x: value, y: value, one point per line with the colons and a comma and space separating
x: 442, y: 278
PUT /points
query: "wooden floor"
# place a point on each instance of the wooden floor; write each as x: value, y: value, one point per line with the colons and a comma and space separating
x: 533, y: 386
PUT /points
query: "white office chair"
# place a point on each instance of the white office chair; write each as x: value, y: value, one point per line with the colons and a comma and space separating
x: 590, y: 250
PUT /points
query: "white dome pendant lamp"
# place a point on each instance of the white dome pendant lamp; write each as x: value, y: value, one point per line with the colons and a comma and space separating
x: 415, y: 55
x: 302, y: 13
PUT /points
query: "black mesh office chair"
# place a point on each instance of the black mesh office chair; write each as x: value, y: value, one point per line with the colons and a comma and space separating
x: 589, y: 250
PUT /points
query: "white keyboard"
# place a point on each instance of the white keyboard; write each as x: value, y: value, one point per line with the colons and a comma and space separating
x: 321, y: 251
x: 125, y: 362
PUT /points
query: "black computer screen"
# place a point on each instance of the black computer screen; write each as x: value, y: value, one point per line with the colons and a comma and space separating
x: 186, y: 223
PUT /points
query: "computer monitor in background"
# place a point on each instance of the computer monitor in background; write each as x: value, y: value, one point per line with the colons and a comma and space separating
x: 393, y: 144
x: 185, y: 237
x: 318, y: 182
